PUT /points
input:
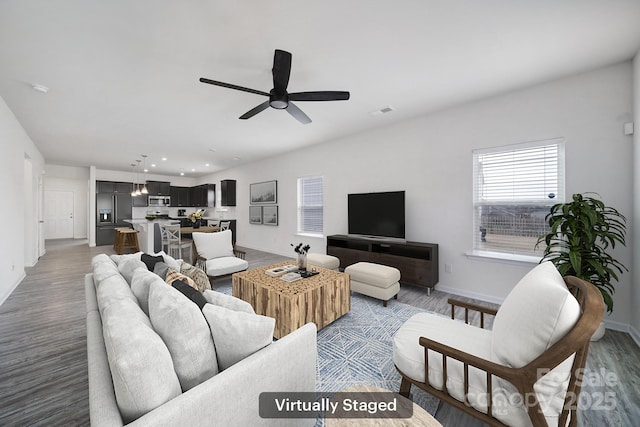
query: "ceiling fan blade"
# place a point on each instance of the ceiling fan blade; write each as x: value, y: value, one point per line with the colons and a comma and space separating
x: 230, y: 86
x: 255, y: 110
x: 319, y: 96
x: 281, y: 70
x: 298, y: 114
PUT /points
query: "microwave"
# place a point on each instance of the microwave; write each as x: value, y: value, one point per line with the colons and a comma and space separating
x: 159, y: 200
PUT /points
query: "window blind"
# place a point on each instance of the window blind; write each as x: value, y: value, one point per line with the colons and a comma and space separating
x: 310, y: 205
x: 514, y: 187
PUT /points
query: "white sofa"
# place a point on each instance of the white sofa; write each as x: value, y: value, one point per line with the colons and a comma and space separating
x: 144, y: 389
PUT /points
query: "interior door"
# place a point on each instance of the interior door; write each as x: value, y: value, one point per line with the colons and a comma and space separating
x: 58, y: 214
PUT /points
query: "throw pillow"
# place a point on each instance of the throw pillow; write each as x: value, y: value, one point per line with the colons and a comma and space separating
x: 237, y: 334
x: 213, y: 245
x: 173, y: 275
x: 190, y: 293
x: 119, y: 258
x: 184, y: 330
x: 161, y: 269
x: 141, y: 368
x: 228, y: 301
x: 199, y: 277
x: 151, y: 261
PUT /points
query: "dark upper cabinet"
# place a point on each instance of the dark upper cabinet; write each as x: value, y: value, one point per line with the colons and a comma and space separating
x: 113, y: 187
x: 141, y: 201
x: 180, y: 196
x: 159, y: 188
x: 203, y: 196
x: 228, y: 190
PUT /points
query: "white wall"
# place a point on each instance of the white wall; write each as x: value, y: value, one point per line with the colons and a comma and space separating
x: 431, y: 159
x: 635, y: 294
x: 19, y: 243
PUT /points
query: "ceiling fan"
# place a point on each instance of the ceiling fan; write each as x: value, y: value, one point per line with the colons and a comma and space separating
x: 279, y: 98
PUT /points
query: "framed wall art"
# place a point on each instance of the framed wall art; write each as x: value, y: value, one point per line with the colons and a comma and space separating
x: 270, y: 215
x: 255, y: 214
x: 263, y: 193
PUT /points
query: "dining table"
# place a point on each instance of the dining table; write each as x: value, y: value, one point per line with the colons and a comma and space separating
x: 191, y: 230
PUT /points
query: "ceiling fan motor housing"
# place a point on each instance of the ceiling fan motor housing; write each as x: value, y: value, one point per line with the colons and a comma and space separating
x: 279, y: 101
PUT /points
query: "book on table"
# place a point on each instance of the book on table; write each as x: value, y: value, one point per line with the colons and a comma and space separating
x: 281, y: 270
x: 291, y: 277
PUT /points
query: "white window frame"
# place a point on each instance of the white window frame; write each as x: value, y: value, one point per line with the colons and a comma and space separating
x: 515, y: 200
x: 318, y: 232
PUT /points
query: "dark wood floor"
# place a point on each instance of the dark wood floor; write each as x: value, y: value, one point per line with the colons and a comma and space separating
x: 43, y: 361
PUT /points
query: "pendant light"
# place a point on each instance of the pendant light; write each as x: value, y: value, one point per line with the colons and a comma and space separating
x: 133, y: 186
x: 138, y: 192
x: 144, y: 170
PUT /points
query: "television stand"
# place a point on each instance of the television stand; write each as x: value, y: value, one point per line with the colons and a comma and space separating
x: 417, y: 262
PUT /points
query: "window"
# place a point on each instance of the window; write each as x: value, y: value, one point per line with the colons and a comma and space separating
x: 514, y: 187
x: 310, y: 205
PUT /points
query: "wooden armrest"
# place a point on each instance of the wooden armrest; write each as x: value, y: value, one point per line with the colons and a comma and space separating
x: 471, y: 306
x: 238, y: 253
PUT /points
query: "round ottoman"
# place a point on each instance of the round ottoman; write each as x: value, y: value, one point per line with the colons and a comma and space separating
x: 324, y: 261
x: 374, y: 280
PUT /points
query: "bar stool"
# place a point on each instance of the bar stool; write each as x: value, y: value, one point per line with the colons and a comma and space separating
x: 126, y: 238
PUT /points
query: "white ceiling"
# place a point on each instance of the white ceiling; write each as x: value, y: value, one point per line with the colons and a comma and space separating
x: 123, y: 75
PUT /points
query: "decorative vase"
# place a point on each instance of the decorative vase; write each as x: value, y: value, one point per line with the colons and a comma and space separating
x: 196, y: 224
x: 302, y: 262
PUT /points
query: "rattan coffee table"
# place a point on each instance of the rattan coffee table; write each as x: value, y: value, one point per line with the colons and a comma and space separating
x: 320, y: 299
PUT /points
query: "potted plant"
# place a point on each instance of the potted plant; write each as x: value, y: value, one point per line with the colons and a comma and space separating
x: 581, y: 233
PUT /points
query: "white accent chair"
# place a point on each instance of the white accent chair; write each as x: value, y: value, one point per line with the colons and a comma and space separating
x: 214, y: 253
x: 526, y: 371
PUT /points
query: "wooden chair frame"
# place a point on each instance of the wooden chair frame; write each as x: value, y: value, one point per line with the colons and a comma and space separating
x: 575, y: 341
x: 201, y: 262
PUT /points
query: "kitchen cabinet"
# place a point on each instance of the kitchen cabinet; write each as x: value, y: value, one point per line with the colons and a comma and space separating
x: 159, y: 188
x: 141, y: 201
x: 228, y: 190
x: 180, y: 196
x: 203, y: 196
x: 113, y: 187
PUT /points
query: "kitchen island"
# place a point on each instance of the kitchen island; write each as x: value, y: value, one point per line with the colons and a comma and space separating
x: 146, y: 229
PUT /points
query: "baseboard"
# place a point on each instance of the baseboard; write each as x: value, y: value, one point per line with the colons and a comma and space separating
x: 469, y: 294
x: 616, y: 326
x: 4, y: 297
x: 635, y: 335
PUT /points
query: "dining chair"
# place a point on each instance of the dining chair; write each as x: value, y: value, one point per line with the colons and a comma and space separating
x: 224, y: 225
x: 175, y: 242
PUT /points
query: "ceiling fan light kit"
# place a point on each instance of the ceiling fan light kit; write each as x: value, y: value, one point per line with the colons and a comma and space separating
x: 279, y: 98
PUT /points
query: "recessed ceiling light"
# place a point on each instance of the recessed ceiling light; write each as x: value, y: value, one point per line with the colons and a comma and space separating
x: 153, y: 165
x: 207, y: 164
x: 146, y: 170
x: 193, y: 170
x: 164, y: 159
x: 181, y: 173
x: 40, y: 88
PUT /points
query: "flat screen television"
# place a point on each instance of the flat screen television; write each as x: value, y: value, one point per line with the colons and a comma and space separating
x: 377, y: 214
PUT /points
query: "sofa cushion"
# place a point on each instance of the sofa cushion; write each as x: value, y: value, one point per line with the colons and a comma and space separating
x: 173, y: 275
x: 128, y: 267
x: 140, y: 283
x: 172, y: 262
x: 197, y: 275
x: 213, y: 245
x: 140, y: 364
x: 184, y: 329
x: 237, y: 334
x: 111, y: 289
x: 228, y: 301
x: 161, y: 269
x: 225, y: 265
x: 535, y: 315
x: 104, y: 269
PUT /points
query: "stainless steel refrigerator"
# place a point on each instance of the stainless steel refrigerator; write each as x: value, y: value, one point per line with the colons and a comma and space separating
x: 111, y: 211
